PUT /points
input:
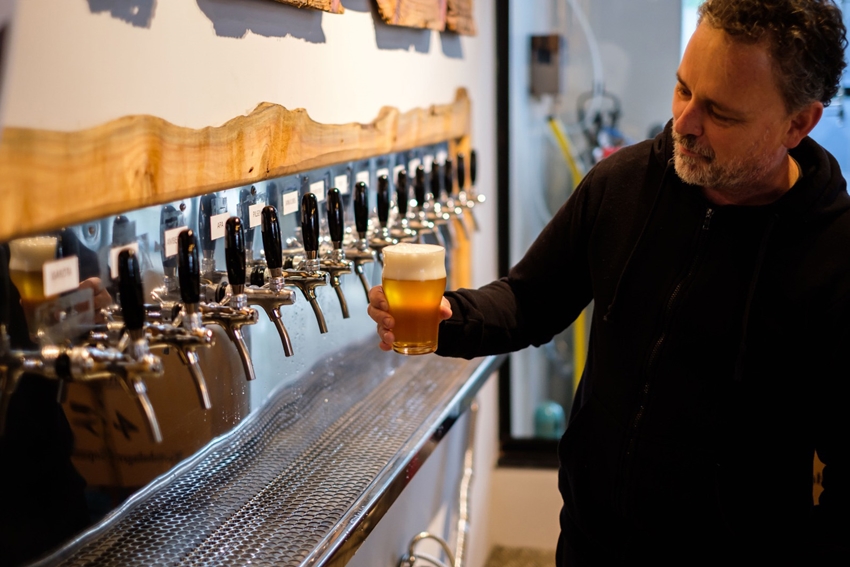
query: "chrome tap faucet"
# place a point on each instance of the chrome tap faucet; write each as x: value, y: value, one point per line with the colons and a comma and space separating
x: 425, y: 227
x: 359, y: 252
x: 138, y: 364
x: 383, y: 237
x: 232, y: 312
x: 451, y: 203
x: 466, y: 199
x: 247, y: 199
x: 272, y: 295
x: 307, y: 276
x: 402, y: 229
x: 335, y: 263
x: 209, y: 206
x: 186, y: 331
x: 439, y: 212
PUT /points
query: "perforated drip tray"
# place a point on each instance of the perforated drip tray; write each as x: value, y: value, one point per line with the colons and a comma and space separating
x: 302, y: 481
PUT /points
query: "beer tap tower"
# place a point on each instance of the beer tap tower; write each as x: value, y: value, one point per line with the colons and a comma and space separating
x: 186, y: 332
x: 383, y: 237
x: 307, y: 276
x: 335, y: 263
x: 425, y: 228
x: 272, y: 295
x: 359, y: 252
x: 233, y: 312
x: 451, y: 203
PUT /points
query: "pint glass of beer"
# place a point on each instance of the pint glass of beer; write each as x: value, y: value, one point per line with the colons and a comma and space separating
x: 27, y: 258
x: 414, y: 280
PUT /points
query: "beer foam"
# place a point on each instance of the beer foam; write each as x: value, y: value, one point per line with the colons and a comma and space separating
x: 30, y: 254
x: 419, y: 262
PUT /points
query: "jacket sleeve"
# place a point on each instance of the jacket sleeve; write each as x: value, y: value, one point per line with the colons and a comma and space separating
x: 541, y: 296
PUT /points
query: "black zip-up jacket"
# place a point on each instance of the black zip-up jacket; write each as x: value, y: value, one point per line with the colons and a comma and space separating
x: 718, y: 362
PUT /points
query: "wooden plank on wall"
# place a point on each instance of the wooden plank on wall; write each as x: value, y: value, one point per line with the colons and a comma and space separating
x: 333, y: 6
x: 428, y: 14
x: 51, y: 179
x: 461, y: 17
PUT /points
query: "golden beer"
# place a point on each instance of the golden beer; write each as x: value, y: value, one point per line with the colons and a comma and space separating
x: 414, y: 279
x: 27, y: 258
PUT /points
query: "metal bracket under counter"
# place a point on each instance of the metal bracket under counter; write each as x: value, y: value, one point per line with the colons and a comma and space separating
x: 304, y: 480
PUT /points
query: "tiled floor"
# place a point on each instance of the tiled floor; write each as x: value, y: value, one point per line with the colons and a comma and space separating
x: 520, y: 557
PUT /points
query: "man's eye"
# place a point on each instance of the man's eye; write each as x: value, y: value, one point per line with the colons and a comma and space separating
x: 722, y: 117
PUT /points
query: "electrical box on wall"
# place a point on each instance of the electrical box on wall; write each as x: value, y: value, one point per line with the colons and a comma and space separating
x: 547, y: 53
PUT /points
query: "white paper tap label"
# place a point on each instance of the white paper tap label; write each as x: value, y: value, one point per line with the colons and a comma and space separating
x: 382, y: 171
x: 317, y: 188
x: 113, y: 257
x: 428, y: 163
x: 442, y: 156
x: 363, y: 176
x: 413, y: 165
x: 217, y: 223
x: 290, y: 202
x: 170, y: 243
x: 341, y: 183
x: 61, y: 275
x: 255, y: 215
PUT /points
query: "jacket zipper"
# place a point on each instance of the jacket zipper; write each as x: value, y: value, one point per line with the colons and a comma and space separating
x: 656, y: 349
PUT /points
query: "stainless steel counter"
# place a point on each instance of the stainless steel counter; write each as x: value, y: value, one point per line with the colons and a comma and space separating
x: 304, y: 480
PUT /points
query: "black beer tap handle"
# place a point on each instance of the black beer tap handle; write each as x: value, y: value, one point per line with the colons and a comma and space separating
x: 123, y: 231
x: 234, y: 251
x: 205, y: 214
x: 188, y: 267
x: 461, y: 172
x: 361, y: 207
x: 402, y: 192
x: 272, y: 242
x: 448, y: 177
x: 436, y: 186
x: 383, y: 200
x: 335, y: 220
x: 419, y: 186
x: 310, y: 222
x: 247, y: 197
x: 169, y: 218
x: 473, y: 167
x: 130, y: 290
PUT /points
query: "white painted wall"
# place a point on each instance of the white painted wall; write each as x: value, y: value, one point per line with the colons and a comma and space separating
x: 78, y: 63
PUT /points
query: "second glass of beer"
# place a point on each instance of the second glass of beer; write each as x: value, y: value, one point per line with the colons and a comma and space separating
x: 414, y: 279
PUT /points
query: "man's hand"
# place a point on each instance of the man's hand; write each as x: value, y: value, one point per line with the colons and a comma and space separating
x: 379, y: 312
x: 102, y: 299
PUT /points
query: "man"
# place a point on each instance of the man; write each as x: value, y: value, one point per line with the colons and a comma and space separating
x: 717, y: 258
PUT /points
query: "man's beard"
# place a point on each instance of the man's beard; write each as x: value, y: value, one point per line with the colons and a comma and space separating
x: 740, y: 174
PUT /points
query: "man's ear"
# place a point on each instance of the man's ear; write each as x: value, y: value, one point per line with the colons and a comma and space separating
x: 803, y: 121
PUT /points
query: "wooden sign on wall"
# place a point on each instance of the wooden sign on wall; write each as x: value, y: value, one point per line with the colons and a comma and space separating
x: 427, y: 14
x: 440, y: 15
x: 332, y: 6
x: 460, y: 17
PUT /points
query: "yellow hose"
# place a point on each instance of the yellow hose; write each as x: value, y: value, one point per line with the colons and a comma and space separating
x: 566, y: 148
x: 580, y: 324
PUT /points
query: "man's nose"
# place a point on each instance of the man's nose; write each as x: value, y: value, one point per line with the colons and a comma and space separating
x: 689, y: 122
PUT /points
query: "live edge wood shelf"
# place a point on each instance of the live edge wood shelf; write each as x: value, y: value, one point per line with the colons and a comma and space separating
x: 52, y: 179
